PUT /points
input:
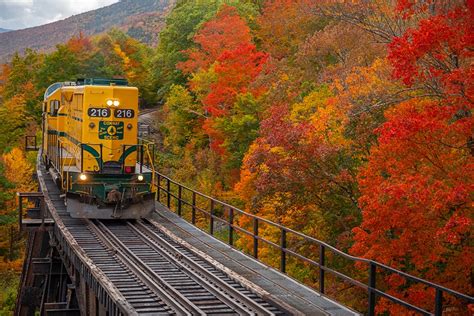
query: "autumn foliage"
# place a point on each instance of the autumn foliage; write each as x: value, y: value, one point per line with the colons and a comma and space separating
x: 355, y: 124
x: 438, y: 54
x: 416, y: 203
x: 226, y: 32
x: 350, y: 121
x: 224, y: 63
x: 416, y: 190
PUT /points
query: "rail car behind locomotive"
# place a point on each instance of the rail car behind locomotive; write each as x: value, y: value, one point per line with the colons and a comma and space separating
x: 91, y: 147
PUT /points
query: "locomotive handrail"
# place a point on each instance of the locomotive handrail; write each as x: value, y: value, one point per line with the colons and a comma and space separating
x: 373, y: 266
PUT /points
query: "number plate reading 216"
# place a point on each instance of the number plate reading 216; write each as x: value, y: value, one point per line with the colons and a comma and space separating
x: 124, y: 113
x: 98, y: 112
x: 110, y: 130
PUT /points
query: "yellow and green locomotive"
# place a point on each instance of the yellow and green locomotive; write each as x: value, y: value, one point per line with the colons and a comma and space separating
x: 91, y: 147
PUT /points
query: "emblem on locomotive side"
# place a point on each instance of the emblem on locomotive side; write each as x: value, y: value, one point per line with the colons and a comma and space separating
x: 110, y: 130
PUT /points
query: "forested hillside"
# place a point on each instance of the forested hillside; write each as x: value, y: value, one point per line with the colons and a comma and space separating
x: 140, y: 19
x: 348, y: 121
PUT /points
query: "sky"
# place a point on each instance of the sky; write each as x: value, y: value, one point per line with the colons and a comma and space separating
x: 20, y: 14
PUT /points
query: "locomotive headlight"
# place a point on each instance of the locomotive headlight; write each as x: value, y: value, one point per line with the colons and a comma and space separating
x: 82, y: 177
x: 116, y: 102
x: 110, y: 102
x: 140, y: 177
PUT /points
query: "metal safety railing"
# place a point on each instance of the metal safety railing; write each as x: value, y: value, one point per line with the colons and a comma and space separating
x: 146, y: 154
x: 34, y: 199
x: 31, y: 143
x: 177, y: 197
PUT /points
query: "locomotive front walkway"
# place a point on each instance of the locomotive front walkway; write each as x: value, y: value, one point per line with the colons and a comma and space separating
x: 270, y: 283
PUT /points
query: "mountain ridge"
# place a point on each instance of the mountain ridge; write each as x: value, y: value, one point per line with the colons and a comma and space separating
x: 140, y: 19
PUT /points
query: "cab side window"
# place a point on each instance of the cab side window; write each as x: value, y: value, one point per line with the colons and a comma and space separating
x: 54, y: 107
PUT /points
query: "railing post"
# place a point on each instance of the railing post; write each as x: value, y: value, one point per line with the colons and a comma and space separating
x: 372, y: 284
x: 124, y: 148
x: 211, y: 218
x: 20, y: 212
x: 41, y: 211
x: 168, y: 189
x: 60, y: 164
x: 255, y: 237
x: 101, y: 160
x: 141, y: 158
x: 439, y: 303
x: 321, y: 267
x: 231, y: 226
x: 59, y: 153
x: 158, y: 198
x: 82, y: 157
x: 153, y: 157
x: 283, y: 253
x: 193, y: 212
x: 179, y: 200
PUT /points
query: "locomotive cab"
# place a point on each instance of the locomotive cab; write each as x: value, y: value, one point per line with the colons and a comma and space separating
x: 92, y: 148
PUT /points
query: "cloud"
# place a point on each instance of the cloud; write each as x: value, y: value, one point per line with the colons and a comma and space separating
x: 19, y: 14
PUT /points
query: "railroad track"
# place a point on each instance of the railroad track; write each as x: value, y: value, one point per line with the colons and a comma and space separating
x: 136, y: 269
x: 146, y: 122
x: 146, y: 111
x: 159, y: 276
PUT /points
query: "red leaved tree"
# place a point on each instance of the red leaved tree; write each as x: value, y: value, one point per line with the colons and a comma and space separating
x: 226, y: 31
x: 225, y: 50
x: 416, y: 199
x: 416, y: 191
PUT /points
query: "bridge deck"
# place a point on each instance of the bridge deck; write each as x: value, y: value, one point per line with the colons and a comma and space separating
x: 270, y: 282
x: 133, y: 271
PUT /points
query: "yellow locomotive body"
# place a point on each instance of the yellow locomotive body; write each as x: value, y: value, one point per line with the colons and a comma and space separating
x: 90, y: 144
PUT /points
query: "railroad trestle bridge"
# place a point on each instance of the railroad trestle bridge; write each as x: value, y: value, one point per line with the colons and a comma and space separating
x: 166, y: 265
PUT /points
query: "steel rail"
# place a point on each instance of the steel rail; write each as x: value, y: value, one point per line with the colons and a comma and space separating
x: 192, y: 265
x: 146, y: 111
x: 193, y: 275
x: 170, y: 296
x: 196, y: 277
